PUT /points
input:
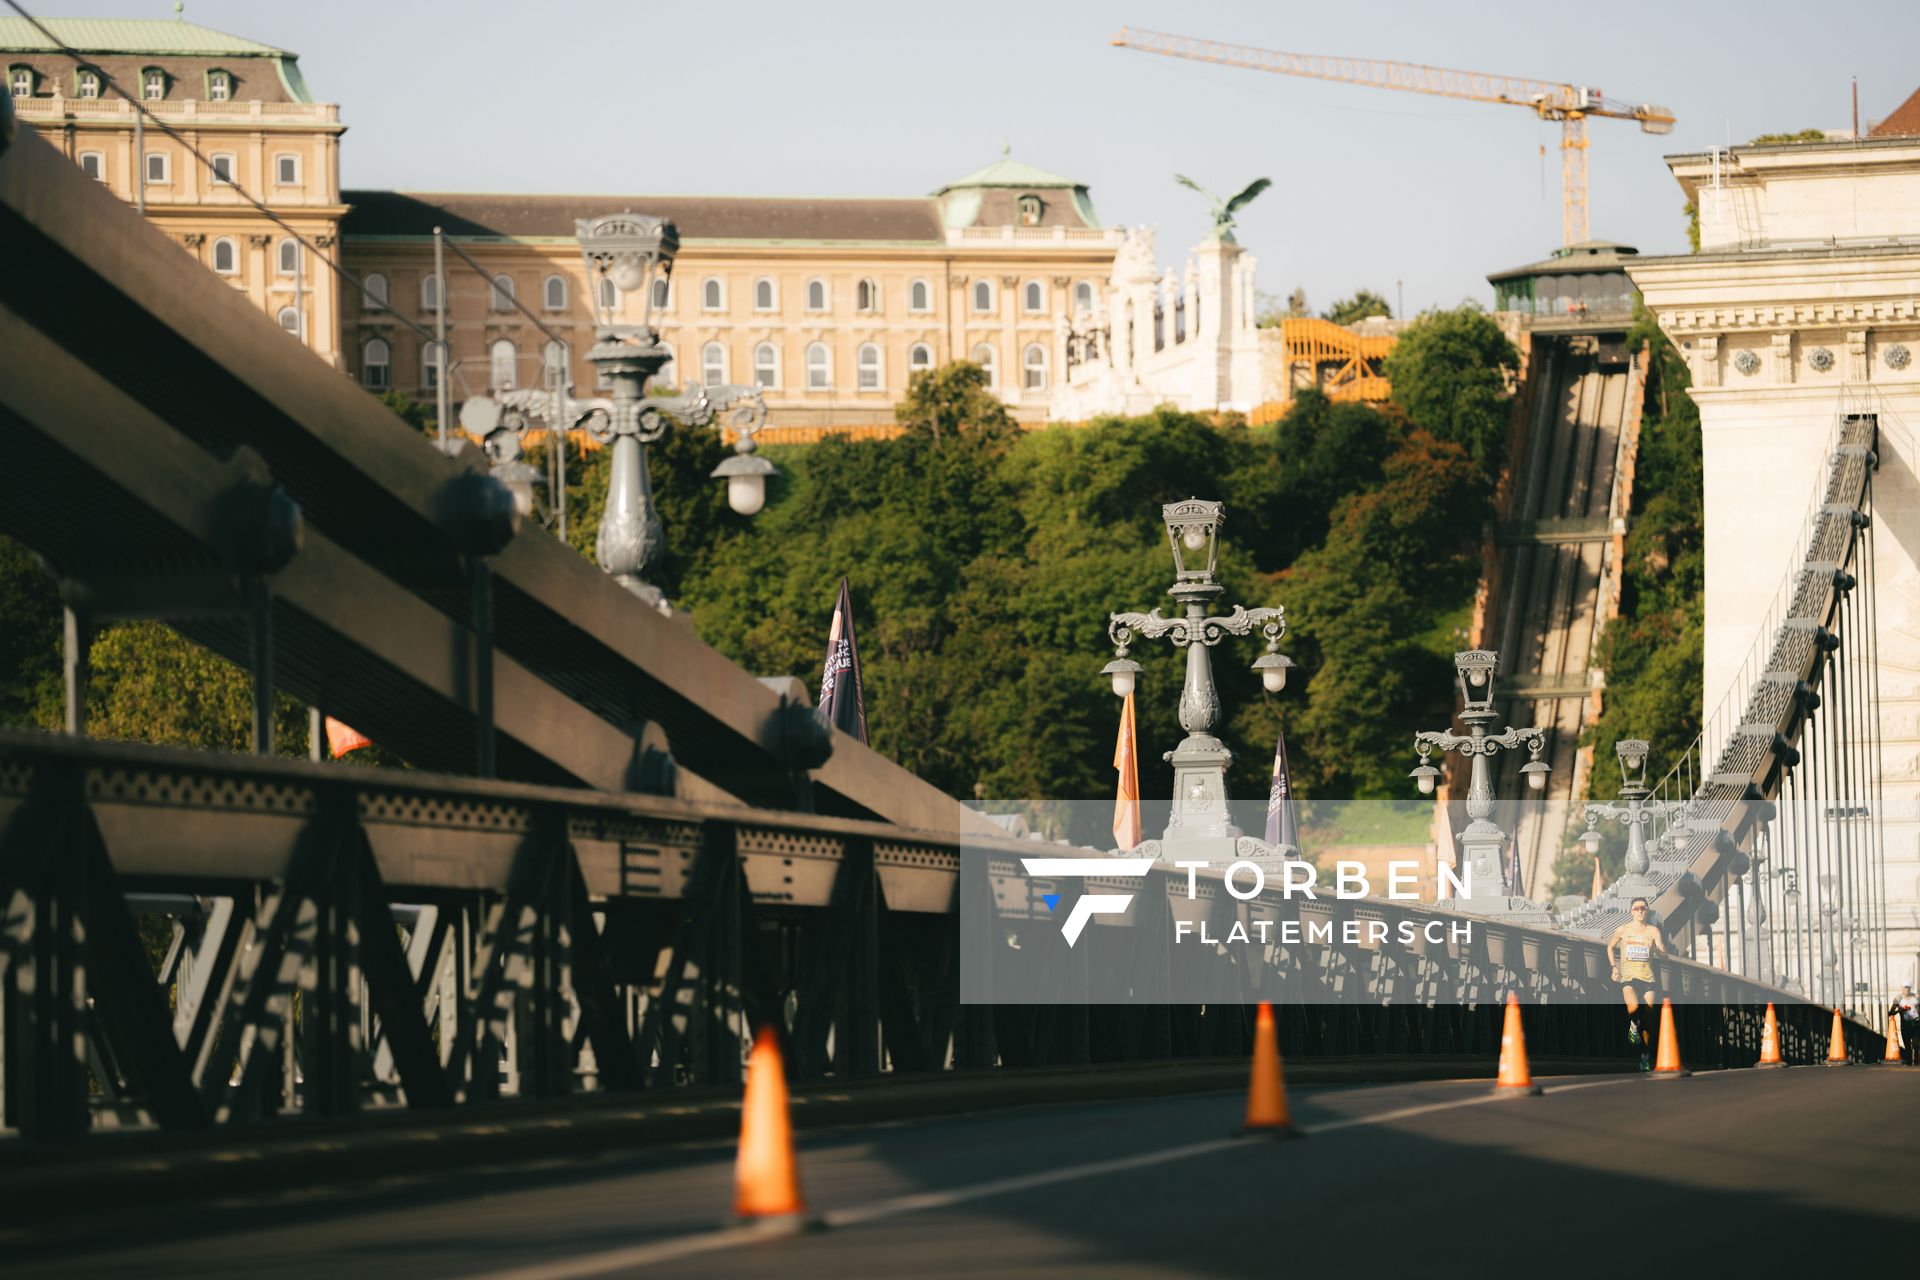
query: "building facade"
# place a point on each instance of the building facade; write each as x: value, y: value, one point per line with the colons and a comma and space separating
x: 241, y: 105
x: 1803, y: 304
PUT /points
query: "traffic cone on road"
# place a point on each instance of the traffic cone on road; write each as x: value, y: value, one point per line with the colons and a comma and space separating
x: 1666, y: 1066
x: 1515, y: 1079
x: 1837, y: 1042
x: 1892, y: 1056
x: 1770, y: 1041
x: 766, y: 1181
x: 1267, y: 1112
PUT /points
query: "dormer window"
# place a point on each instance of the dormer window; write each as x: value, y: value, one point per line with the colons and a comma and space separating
x: 86, y: 83
x: 1030, y: 208
x: 20, y: 81
x: 219, y: 86
x: 153, y: 83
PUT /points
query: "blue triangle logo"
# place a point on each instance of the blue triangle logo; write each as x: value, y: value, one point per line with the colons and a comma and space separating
x: 1051, y: 899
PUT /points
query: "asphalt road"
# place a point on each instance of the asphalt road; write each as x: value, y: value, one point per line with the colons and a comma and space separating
x: 1741, y: 1172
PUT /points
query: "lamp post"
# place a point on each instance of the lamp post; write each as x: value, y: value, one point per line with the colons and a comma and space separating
x: 1199, y: 820
x: 1636, y: 811
x: 630, y: 251
x: 1482, y: 841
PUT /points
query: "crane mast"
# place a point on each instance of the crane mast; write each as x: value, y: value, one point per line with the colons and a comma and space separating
x: 1569, y: 104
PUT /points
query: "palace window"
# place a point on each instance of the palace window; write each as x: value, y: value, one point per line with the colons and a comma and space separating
x: 501, y: 361
x: 919, y: 296
x: 1034, y: 296
x: 226, y: 257
x: 286, y: 170
x: 1083, y: 296
x: 430, y: 292
x: 373, y: 291
x: 157, y: 166
x: 430, y: 366
x: 1033, y: 368
x: 713, y: 295
x: 869, y: 366
x: 983, y: 356
x: 287, y: 261
x: 667, y: 372
x: 223, y: 169
x: 219, y: 86
x: 819, y: 367
x: 376, y: 368
x: 153, y: 83
x: 982, y: 295
x: 919, y: 357
x: 713, y: 364
x: 500, y: 297
x: 20, y: 81
x: 866, y: 296
x: 766, y: 365
x: 662, y: 294
x: 609, y: 294
x: 86, y: 83
x: 289, y: 320
x: 1030, y: 207
x: 94, y: 165
x: 764, y: 298
x: 554, y: 293
x: 816, y: 295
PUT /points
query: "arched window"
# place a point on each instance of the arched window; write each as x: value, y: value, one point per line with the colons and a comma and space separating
x: 919, y: 357
x: 553, y: 359
x: 1034, y: 296
x: 374, y: 291
x: 819, y: 366
x: 713, y: 295
x: 661, y: 294
x: 868, y: 362
x: 609, y: 294
x: 87, y: 81
x: 919, y: 296
x: 816, y: 295
x: 287, y: 260
x: 219, y: 86
x: 500, y: 365
x: 500, y: 297
x: 982, y: 295
x: 430, y: 366
x: 430, y: 292
x: 1083, y: 296
x: 866, y: 296
x: 713, y: 364
x: 763, y: 295
x: 1030, y: 208
x: 375, y: 365
x: 668, y: 373
x: 1033, y: 367
x: 289, y: 320
x: 226, y: 257
x: 983, y: 356
x: 554, y: 293
x: 766, y: 365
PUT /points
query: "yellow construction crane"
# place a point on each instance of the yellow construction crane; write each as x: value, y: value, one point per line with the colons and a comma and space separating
x: 1550, y: 100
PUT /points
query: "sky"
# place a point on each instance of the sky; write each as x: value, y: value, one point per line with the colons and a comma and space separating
x: 1411, y: 196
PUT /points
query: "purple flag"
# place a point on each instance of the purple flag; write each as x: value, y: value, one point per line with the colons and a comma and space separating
x: 1282, y: 827
x: 842, y: 705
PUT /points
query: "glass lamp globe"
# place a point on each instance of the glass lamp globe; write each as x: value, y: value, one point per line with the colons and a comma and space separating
x: 1122, y: 683
x: 1537, y: 780
x: 1273, y: 679
x: 1195, y: 537
x: 747, y: 494
x: 1477, y: 677
x: 628, y: 277
x: 1591, y: 839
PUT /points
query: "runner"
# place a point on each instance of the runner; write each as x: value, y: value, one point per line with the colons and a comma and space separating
x: 1906, y: 1007
x: 1630, y: 950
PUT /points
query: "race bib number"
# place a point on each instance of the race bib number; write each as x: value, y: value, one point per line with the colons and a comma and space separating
x: 1637, y: 951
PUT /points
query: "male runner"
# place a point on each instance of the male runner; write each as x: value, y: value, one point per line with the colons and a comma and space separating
x: 1630, y: 950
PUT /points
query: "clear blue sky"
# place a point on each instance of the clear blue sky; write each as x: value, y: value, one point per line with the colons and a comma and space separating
x: 894, y: 98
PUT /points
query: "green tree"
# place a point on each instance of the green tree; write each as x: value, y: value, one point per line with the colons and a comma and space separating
x: 953, y: 398
x: 1453, y: 373
x: 1360, y: 306
x: 1777, y: 139
x: 30, y: 639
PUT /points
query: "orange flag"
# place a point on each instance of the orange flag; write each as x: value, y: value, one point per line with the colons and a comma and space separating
x: 342, y: 738
x: 1598, y: 883
x: 1126, y: 804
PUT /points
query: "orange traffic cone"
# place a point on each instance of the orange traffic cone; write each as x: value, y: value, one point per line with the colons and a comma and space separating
x: 1837, y: 1043
x: 1516, y: 1078
x: 1892, y: 1055
x: 766, y: 1183
x: 1666, y: 1065
x: 1267, y: 1113
x: 1770, y: 1041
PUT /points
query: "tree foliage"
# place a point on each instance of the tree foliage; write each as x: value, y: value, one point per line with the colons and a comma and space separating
x: 1453, y: 374
x: 1361, y: 306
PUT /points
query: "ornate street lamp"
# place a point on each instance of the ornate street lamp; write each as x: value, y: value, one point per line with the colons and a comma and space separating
x: 1635, y: 811
x: 630, y: 251
x: 1200, y: 761
x: 1482, y: 841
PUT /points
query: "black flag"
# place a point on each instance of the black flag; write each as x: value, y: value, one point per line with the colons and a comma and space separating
x: 1282, y: 826
x: 842, y: 704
